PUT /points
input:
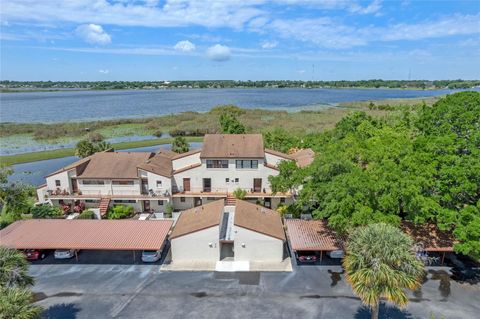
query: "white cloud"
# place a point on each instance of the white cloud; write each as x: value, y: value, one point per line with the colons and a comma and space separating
x: 185, y: 46
x: 269, y: 44
x: 93, y: 33
x: 219, y: 53
x: 103, y: 71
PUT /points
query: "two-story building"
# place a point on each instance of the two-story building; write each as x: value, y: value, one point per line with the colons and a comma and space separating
x: 150, y: 181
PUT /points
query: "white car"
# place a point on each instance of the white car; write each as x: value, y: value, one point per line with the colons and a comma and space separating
x: 336, y: 254
x: 64, y: 253
x: 151, y: 256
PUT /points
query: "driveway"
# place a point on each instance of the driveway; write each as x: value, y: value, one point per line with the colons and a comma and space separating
x: 143, y: 291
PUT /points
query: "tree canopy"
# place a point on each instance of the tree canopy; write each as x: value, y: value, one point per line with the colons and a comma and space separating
x: 180, y: 145
x: 420, y: 165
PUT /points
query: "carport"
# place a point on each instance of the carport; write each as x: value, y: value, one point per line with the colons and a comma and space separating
x: 429, y: 238
x: 80, y: 234
x: 313, y: 236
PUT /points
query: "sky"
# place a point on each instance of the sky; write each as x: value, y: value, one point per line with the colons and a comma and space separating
x: 156, y: 40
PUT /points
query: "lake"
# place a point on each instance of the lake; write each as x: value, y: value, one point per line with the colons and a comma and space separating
x: 96, y: 105
x: 34, y: 173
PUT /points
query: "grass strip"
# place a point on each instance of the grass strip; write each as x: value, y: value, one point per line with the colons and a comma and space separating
x: 64, y: 152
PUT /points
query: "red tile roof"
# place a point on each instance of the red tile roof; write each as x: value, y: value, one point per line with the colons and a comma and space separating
x: 86, y: 234
x: 233, y: 146
x: 313, y: 235
x: 430, y: 236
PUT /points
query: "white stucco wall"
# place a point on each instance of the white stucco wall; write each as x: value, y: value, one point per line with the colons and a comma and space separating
x: 258, y: 247
x: 178, y: 205
x: 219, y: 175
x: 186, y: 161
x: 63, y: 177
x: 108, y: 188
x: 273, y: 159
x: 195, y: 246
x: 152, y: 183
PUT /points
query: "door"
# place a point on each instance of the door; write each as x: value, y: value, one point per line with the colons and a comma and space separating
x: 197, y: 201
x: 257, y: 185
x: 146, y: 205
x: 207, y: 185
x: 186, y: 184
x: 74, y: 186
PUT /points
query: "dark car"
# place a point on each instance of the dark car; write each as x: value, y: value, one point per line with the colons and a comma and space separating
x: 307, y: 257
x: 35, y: 254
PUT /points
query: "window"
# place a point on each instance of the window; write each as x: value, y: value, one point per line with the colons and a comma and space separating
x: 57, y: 183
x: 159, y: 184
x: 236, y: 180
x: 182, y: 199
x: 282, y: 200
x: 211, y: 198
x: 123, y: 183
x: 93, y: 182
x: 227, y: 180
x: 91, y: 201
x: 246, y: 164
x: 160, y: 203
x: 124, y: 201
x: 217, y: 163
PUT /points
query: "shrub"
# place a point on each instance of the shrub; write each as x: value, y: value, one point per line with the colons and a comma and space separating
x: 46, y: 211
x: 86, y: 214
x: 239, y: 193
x: 95, y: 137
x: 282, y: 209
x: 120, y: 212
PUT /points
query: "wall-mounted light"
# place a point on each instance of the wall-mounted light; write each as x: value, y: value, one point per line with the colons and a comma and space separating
x: 210, y: 245
x: 243, y: 245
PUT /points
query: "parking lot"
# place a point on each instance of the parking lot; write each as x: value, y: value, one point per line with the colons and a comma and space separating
x: 120, y: 289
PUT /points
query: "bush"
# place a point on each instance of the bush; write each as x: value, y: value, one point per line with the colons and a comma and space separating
x: 120, y: 212
x: 87, y: 214
x: 239, y: 193
x: 46, y: 211
x: 282, y: 209
x: 95, y: 137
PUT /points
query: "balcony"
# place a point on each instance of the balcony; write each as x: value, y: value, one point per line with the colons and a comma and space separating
x: 117, y: 194
x: 200, y: 191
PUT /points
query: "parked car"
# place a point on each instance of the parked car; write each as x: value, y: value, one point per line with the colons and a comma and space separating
x: 308, y: 257
x: 35, y: 254
x: 151, y: 256
x: 65, y: 253
x: 336, y: 254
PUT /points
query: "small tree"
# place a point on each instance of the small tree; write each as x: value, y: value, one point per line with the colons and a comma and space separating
x: 102, y: 146
x: 180, y: 145
x: 84, y: 148
x: 229, y: 124
x: 380, y: 262
x: 46, y: 211
x: 120, y: 212
x: 239, y: 193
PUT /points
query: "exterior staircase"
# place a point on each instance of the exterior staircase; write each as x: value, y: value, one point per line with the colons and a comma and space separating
x: 104, y: 202
x: 230, y: 200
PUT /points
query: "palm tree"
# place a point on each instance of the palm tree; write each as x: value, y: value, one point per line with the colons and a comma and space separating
x: 180, y: 145
x: 103, y: 146
x: 13, y: 269
x: 380, y: 263
x: 17, y: 303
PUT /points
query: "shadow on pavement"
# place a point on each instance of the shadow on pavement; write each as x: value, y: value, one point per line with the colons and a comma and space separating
x: 61, y: 311
x: 385, y: 312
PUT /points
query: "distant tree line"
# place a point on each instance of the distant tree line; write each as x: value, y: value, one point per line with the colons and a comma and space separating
x: 119, y: 85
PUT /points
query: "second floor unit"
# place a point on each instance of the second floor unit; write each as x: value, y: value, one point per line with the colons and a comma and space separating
x: 224, y: 164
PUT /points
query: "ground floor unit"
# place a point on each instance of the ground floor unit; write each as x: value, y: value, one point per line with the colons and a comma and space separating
x: 95, y: 290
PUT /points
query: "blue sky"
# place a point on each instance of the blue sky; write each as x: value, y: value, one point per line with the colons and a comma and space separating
x: 239, y: 40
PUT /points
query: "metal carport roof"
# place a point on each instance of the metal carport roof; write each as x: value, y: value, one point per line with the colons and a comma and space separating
x: 86, y: 234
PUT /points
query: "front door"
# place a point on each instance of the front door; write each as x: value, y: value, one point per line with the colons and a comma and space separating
x: 186, y: 184
x: 207, y: 185
x: 74, y: 186
x: 146, y: 205
x: 257, y: 185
